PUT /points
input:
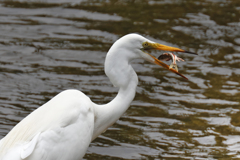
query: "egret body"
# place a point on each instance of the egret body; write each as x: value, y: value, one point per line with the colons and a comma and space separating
x: 63, y: 128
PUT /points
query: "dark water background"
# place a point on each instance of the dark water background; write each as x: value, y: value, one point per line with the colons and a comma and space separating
x: 47, y: 46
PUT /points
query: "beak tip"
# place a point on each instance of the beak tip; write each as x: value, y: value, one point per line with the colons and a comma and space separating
x: 190, y: 52
x: 182, y: 76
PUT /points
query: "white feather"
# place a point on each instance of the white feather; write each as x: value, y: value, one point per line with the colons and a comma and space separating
x: 67, y: 118
x: 63, y: 128
x: 29, y: 147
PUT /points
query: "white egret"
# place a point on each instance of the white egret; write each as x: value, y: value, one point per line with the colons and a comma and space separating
x: 63, y: 128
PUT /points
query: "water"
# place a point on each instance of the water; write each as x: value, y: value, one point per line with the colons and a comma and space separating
x: 47, y: 46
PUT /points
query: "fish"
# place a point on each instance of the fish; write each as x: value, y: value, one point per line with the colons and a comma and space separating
x: 168, y: 56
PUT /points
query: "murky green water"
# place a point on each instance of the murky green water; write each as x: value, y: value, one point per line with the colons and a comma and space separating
x: 47, y: 46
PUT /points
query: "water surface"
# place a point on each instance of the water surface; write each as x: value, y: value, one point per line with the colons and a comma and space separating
x: 48, y: 46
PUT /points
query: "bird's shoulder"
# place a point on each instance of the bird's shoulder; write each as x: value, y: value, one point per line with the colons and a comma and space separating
x: 68, y: 108
x: 63, y: 109
x: 69, y: 105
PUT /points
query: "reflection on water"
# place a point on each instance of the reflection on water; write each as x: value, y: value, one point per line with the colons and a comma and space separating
x: 51, y: 45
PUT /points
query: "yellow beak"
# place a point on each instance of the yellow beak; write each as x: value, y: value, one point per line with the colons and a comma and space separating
x: 166, y: 48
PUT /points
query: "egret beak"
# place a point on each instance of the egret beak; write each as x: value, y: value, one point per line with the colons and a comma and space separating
x: 157, y: 46
x: 160, y: 63
x: 168, y: 48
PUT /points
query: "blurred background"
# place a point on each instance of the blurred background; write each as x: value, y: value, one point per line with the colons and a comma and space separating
x: 47, y: 46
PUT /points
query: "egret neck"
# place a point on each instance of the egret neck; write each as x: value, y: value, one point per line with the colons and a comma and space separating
x: 122, y: 75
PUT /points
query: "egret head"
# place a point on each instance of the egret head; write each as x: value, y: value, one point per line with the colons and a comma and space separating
x: 140, y: 46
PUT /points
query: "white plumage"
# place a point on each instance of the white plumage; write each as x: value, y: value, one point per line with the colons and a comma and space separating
x: 63, y: 128
x: 68, y: 118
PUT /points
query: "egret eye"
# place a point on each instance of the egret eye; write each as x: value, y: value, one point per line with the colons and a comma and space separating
x: 145, y: 44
